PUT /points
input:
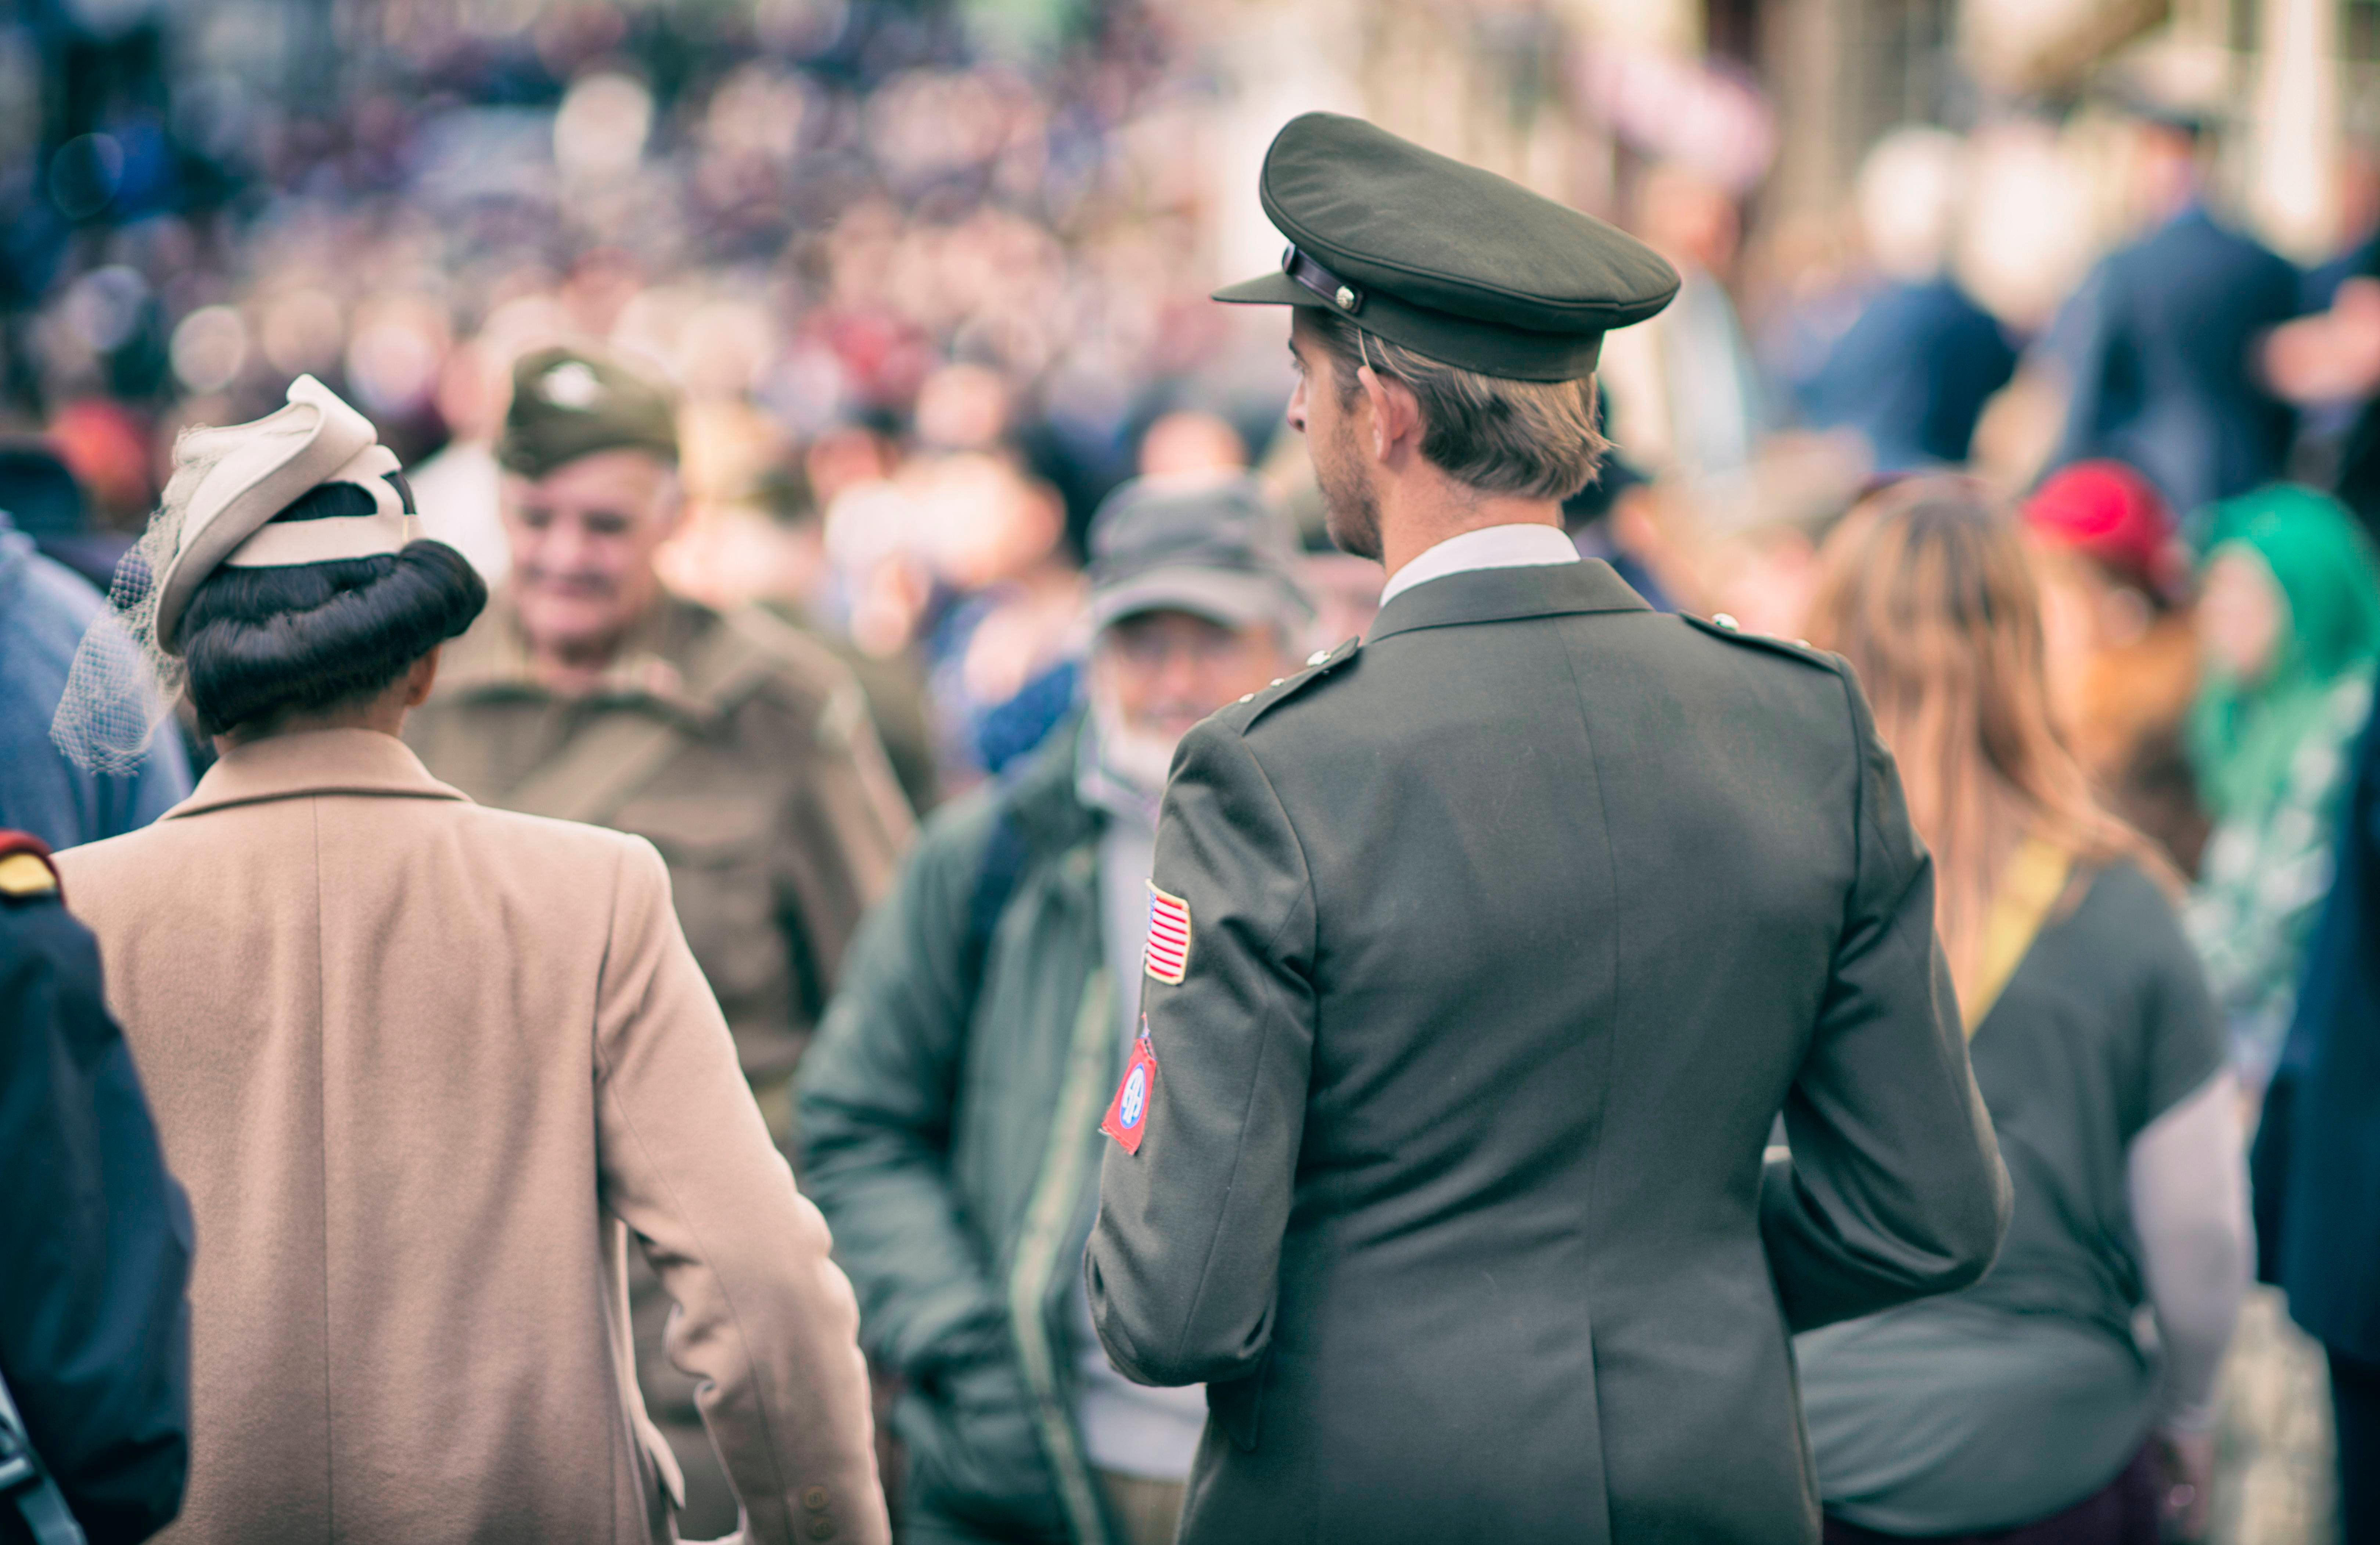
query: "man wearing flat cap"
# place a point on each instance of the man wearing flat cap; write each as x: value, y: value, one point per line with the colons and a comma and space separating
x: 742, y: 748
x: 1485, y: 955
x: 948, y: 1111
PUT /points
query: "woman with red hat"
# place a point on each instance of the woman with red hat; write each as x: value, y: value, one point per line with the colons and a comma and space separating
x: 2123, y: 663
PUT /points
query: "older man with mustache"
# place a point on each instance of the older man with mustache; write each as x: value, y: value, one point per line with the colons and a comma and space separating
x: 739, y: 746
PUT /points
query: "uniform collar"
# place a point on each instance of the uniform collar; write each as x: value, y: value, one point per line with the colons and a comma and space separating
x: 318, y: 761
x: 1503, y: 594
x: 492, y: 660
x: 1515, y: 546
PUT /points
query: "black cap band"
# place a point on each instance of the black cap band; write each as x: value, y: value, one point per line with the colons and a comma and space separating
x: 1321, y: 281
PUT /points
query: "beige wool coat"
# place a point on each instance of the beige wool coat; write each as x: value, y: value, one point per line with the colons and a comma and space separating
x: 424, y: 1068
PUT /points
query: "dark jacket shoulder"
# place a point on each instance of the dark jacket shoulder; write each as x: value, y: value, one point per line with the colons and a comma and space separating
x: 1724, y: 627
x: 94, y: 1328
x: 1320, y: 666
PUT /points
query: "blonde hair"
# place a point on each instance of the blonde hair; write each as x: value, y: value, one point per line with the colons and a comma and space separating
x: 1926, y: 590
x: 1530, y: 438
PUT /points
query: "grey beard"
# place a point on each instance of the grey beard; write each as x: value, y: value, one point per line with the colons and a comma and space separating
x: 1134, y: 755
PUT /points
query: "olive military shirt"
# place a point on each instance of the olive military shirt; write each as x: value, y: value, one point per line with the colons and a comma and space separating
x: 1493, y: 950
x: 771, y: 799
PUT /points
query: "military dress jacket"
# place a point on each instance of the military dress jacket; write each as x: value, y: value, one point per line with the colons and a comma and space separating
x: 94, y: 1317
x: 735, y: 744
x: 425, y: 1067
x: 1502, y: 944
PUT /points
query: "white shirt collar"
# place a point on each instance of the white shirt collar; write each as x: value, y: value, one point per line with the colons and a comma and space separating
x: 1522, y: 546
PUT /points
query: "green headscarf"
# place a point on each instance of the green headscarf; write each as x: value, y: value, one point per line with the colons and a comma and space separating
x: 2244, y: 734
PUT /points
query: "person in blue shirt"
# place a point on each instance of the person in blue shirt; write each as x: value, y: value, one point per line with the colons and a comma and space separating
x: 44, y: 607
x: 2161, y: 345
x: 1914, y: 368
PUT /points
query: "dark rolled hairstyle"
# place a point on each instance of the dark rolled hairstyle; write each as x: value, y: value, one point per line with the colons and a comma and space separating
x: 265, y: 642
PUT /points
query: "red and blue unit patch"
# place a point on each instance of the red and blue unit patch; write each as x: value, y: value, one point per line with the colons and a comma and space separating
x: 1127, y: 1115
x: 1168, y: 954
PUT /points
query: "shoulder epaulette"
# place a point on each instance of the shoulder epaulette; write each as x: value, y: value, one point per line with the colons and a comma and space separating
x: 751, y: 646
x: 1320, y: 663
x: 787, y: 645
x: 26, y: 872
x: 1720, y: 625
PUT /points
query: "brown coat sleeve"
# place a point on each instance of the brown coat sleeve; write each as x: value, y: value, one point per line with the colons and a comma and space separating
x: 764, y: 1318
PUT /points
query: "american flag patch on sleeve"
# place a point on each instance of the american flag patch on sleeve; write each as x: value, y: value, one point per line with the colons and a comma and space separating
x: 1168, y: 954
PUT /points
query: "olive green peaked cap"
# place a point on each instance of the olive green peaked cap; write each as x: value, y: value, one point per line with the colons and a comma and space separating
x: 1451, y: 261
x: 573, y: 402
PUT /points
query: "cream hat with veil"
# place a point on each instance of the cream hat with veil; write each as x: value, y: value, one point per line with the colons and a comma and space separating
x: 223, y: 507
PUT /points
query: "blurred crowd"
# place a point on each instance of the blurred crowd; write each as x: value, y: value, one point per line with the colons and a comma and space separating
x: 921, y: 302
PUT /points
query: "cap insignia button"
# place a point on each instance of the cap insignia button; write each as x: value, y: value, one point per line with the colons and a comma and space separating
x: 1346, y: 299
x: 1723, y: 620
x: 572, y: 384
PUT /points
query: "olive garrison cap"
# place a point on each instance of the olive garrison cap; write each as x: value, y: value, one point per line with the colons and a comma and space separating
x: 570, y: 402
x: 1451, y: 261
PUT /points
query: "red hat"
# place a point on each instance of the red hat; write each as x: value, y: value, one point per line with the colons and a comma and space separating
x: 2108, y: 511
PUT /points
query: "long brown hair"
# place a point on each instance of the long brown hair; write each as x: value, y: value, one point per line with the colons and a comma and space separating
x: 1927, y: 591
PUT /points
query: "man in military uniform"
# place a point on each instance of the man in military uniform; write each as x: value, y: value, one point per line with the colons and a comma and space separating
x: 1484, y: 957
x: 741, y: 747
x: 94, y: 1324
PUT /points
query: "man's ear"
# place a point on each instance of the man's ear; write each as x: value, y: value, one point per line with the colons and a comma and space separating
x: 1396, y: 415
x: 672, y: 501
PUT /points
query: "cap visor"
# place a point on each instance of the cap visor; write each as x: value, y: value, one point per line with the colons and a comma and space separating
x: 1232, y: 600
x: 1268, y: 289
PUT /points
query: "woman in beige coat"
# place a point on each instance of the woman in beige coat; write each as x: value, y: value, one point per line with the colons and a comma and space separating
x: 424, y: 1068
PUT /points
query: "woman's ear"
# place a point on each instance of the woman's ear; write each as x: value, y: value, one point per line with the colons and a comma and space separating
x: 421, y: 678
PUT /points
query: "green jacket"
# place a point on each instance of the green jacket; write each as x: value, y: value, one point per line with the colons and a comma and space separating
x: 1500, y: 946
x: 948, y: 1113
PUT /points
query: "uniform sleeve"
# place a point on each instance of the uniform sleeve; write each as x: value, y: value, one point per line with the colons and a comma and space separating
x: 1182, y: 1259
x: 94, y: 1328
x: 764, y: 1318
x: 845, y: 831
x: 877, y: 1093
x: 1893, y: 1188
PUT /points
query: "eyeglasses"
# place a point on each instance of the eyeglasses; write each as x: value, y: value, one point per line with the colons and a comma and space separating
x: 1138, y: 642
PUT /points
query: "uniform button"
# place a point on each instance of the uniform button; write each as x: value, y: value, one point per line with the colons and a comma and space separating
x: 1278, y: 680
x: 821, y: 1528
x: 1723, y: 620
x: 1247, y: 697
x: 1317, y: 657
x: 814, y: 1498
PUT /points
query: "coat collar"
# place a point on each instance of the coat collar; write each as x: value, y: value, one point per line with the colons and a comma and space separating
x: 1505, y: 594
x: 1044, y: 798
x: 318, y: 761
